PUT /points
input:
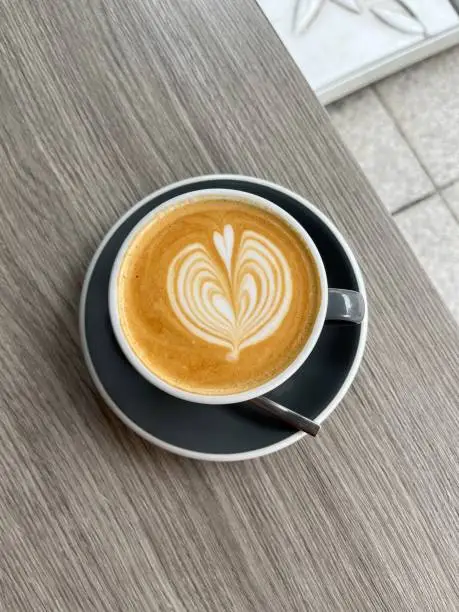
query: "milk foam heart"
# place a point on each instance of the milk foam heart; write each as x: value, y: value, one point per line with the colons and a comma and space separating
x: 237, y: 304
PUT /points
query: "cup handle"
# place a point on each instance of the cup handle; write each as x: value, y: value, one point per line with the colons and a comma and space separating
x: 345, y: 305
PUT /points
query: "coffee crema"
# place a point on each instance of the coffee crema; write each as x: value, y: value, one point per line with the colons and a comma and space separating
x: 217, y: 296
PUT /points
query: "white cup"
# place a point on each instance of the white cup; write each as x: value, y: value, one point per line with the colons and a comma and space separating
x: 340, y: 297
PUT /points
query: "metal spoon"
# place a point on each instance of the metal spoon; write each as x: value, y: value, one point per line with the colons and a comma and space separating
x: 288, y: 416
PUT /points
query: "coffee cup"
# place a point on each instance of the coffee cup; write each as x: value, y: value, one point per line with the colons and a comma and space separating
x: 219, y: 296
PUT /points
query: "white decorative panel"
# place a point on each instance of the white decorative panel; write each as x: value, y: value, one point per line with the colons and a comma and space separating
x: 335, y: 40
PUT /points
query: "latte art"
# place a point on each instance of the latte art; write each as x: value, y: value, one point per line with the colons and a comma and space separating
x: 237, y: 304
x: 217, y: 296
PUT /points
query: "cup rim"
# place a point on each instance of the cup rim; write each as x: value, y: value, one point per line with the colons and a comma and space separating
x: 229, y: 398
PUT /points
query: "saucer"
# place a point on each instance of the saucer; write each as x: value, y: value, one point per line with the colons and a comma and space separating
x: 222, y: 432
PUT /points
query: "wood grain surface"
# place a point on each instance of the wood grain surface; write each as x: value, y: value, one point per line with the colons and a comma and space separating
x: 101, y: 102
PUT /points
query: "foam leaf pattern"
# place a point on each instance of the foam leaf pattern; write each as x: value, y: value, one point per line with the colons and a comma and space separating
x: 235, y: 305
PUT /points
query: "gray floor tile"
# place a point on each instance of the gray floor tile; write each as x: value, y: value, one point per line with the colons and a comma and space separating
x: 424, y: 99
x: 451, y: 196
x: 375, y: 142
x: 433, y: 234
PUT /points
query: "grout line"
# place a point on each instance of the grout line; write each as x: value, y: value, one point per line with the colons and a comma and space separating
x: 415, y: 202
x: 437, y: 189
x: 423, y: 198
x: 448, y: 184
x: 402, y: 133
x: 454, y: 214
x: 451, y: 210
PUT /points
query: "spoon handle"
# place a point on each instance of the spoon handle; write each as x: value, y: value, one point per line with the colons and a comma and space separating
x: 288, y: 416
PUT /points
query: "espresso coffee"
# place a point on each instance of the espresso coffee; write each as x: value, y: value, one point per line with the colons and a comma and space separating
x: 217, y: 296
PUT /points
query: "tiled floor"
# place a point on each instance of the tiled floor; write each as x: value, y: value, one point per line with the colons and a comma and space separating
x: 404, y: 131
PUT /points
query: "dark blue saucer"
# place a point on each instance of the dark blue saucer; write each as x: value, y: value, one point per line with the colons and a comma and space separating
x: 236, y: 431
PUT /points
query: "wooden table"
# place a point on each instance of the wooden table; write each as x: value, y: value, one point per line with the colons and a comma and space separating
x: 103, y: 101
